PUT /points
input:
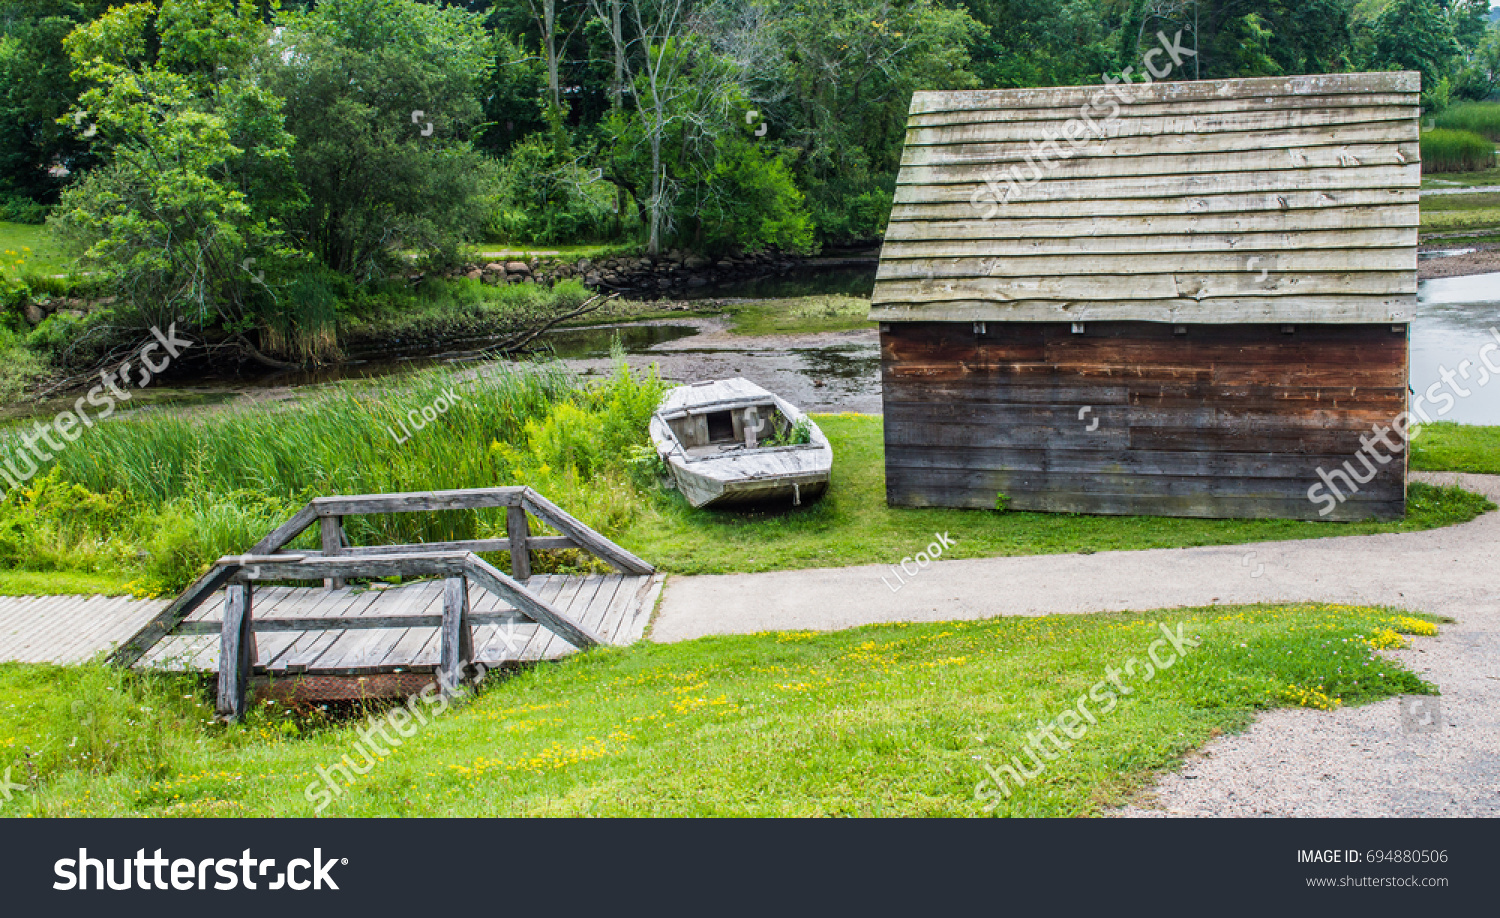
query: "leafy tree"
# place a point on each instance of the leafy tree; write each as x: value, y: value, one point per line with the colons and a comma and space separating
x: 1480, y: 79
x: 382, y: 96
x: 1414, y: 35
x: 845, y: 75
x: 1242, y: 38
x: 513, y: 99
x: 1469, y: 20
x: 36, y: 89
x: 748, y: 201
x: 1041, y: 42
x: 196, y: 173
x: 546, y: 194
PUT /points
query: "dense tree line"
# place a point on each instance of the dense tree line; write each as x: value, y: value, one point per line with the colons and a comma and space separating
x: 192, y: 148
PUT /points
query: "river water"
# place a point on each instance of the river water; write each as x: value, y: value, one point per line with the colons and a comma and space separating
x: 1456, y: 317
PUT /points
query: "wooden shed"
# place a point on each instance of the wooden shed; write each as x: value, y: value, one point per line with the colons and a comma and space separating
x: 1178, y: 299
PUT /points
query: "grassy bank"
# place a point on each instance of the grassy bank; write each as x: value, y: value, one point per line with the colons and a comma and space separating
x: 64, y: 583
x: 1462, y: 180
x: 878, y: 721
x: 36, y: 244
x: 161, y: 495
x: 1482, y: 118
x: 1449, y: 447
x: 800, y: 315
x: 155, y: 498
x: 853, y: 525
x: 1445, y: 150
x: 1460, y: 213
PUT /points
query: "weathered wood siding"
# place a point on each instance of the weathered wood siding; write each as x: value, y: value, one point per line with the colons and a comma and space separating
x: 1287, y: 199
x: 1238, y: 255
x: 1212, y: 421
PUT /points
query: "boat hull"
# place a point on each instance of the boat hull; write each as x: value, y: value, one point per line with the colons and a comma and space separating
x: 794, y: 489
x: 789, y: 475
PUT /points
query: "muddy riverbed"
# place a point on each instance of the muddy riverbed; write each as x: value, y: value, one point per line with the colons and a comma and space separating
x: 828, y: 371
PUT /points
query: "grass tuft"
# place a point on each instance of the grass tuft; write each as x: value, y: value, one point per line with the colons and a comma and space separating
x: 1456, y: 151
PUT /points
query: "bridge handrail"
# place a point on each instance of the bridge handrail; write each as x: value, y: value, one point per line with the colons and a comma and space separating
x: 337, y: 561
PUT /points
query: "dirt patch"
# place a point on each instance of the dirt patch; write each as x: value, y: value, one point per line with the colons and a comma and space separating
x: 823, y: 371
x: 1485, y: 259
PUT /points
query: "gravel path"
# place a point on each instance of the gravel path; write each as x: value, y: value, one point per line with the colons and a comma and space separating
x: 1353, y: 762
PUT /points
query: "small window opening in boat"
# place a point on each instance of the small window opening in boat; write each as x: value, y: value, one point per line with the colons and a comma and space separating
x: 731, y: 429
x: 720, y: 426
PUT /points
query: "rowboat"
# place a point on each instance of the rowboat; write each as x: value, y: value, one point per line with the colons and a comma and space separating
x: 728, y: 442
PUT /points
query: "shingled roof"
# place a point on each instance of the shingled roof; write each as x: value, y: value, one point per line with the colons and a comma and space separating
x: 1286, y: 199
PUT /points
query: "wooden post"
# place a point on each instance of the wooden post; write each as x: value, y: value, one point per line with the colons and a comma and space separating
x: 518, y: 527
x: 456, y: 641
x: 236, y: 651
x: 333, y: 544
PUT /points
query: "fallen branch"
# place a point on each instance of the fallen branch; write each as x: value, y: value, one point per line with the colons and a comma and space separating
x: 519, y: 342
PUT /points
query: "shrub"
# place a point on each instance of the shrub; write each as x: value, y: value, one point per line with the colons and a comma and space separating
x: 749, y: 202
x: 545, y: 197
x: 1456, y: 151
x: 51, y: 524
x: 14, y: 209
x: 19, y: 365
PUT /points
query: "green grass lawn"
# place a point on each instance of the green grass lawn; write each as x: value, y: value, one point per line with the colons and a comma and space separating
x: 1447, y: 447
x: 853, y: 525
x: 890, y: 720
x: 564, y: 253
x: 45, y: 257
x: 33, y: 583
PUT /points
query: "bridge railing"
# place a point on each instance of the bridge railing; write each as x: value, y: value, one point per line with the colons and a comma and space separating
x: 457, y: 562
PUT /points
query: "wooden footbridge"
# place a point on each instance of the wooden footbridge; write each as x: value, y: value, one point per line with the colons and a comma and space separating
x: 472, y: 614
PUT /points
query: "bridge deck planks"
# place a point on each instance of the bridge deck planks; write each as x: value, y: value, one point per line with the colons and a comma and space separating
x: 612, y: 605
x: 68, y: 629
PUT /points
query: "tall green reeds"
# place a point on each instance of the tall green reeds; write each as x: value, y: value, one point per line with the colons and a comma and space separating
x: 1456, y: 151
x: 1482, y: 118
x: 201, y: 485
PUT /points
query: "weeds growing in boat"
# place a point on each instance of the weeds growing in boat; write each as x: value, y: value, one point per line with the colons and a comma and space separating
x: 799, y: 434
